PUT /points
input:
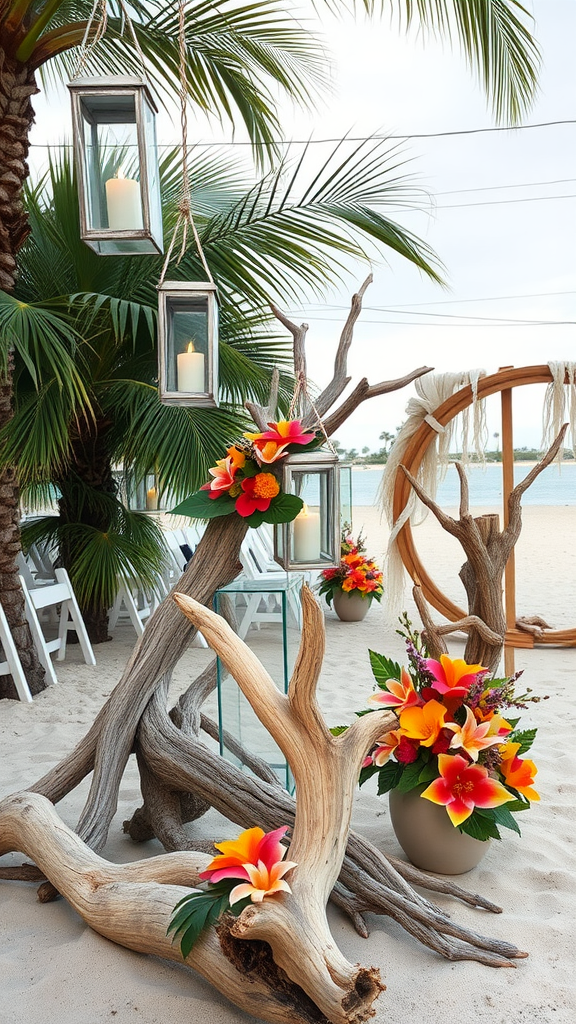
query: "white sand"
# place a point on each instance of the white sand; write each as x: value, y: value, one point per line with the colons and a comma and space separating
x: 55, y: 970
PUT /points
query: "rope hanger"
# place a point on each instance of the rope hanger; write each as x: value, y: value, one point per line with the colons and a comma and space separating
x: 185, y: 218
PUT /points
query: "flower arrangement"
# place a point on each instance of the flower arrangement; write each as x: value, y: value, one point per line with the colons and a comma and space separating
x: 248, y: 870
x: 455, y: 736
x: 356, y: 572
x: 246, y: 480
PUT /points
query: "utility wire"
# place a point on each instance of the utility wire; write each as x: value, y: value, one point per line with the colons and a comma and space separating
x: 358, y: 138
x: 440, y: 302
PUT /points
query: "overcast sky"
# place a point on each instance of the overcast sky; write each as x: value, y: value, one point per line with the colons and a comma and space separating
x: 502, y: 221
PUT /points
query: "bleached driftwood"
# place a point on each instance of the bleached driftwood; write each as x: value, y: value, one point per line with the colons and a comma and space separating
x: 487, y: 549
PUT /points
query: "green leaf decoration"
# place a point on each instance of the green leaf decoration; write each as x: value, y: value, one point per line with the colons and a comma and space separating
x: 383, y: 669
x: 197, y: 911
x: 503, y: 817
x: 282, y: 509
x: 337, y: 730
x: 200, y: 506
x: 429, y: 772
x: 480, y: 826
x: 389, y: 777
x: 525, y: 737
x: 411, y: 776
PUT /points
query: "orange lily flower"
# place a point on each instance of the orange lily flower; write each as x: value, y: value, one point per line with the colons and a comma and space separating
x: 238, y: 458
x: 518, y: 772
x: 423, y: 723
x: 462, y: 787
x: 399, y: 694
x: 472, y: 737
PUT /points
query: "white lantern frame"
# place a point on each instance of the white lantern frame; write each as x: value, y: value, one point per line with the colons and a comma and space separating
x: 311, y: 463
x: 89, y: 96
x: 171, y: 295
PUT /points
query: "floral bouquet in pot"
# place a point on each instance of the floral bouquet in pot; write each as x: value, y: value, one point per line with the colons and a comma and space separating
x: 356, y: 573
x: 458, y: 739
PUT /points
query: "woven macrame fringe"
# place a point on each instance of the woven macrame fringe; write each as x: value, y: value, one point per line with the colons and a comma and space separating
x: 433, y: 390
x: 560, y: 407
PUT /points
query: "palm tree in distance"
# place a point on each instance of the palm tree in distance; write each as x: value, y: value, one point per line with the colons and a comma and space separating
x: 238, y: 54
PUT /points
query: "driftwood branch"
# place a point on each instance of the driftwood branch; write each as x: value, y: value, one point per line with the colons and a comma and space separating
x: 262, y: 415
x: 488, y: 550
x: 364, y: 391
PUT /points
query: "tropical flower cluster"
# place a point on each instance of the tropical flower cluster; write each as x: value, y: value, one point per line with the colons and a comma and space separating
x: 246, y: 481
x: 456, y: 739
x: 247, y: 870
x: 355, y: 572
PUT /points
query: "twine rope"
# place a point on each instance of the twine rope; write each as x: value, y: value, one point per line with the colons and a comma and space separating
x: 301, y: 391
x: 85, y: 49
x: 185, y: 218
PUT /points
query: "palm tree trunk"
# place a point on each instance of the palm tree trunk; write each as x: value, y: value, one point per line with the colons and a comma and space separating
x: 90, y: 468
x: 16, y: 117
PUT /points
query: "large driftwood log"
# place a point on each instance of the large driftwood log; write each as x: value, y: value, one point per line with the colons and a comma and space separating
x: 487, y: 550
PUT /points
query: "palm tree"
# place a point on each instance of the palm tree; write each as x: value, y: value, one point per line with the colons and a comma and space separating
x: 236, y: 54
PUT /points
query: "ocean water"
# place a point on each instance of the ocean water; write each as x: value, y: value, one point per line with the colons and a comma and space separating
x: 553, y: 486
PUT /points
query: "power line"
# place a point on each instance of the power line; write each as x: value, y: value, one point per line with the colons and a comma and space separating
x: 414, y: 323
x: 353, y: 138
x: 442, y: 302
x: 494, y: 188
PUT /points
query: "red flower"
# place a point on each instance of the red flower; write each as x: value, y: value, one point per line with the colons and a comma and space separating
x: 407, y: 750
x: 257, y: 493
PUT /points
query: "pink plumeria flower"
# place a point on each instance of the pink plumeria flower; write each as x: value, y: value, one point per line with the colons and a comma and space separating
x: 265, y: 880
x: 472, y: 737
x: 399, y: 694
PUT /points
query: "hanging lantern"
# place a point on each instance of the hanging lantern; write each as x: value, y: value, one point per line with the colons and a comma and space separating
x: 114, y: 132
x: 188, y: 343
x: 312, y: 540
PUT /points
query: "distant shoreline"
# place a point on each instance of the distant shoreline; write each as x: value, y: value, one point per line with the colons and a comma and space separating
x: 474, y: 465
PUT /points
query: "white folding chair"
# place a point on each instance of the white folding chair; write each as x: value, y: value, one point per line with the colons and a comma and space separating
x: 11, y: 666
x: 48, y: 596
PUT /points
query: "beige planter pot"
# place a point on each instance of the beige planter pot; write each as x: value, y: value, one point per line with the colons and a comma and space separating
x: 429, y: 838
x: 351, y: 607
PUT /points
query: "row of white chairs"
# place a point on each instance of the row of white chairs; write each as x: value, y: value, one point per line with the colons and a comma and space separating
x: 53, y: 597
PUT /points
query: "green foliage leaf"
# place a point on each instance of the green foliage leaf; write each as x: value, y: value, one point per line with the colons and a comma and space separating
x: 525, y: 737
x: 197, y: 911
x: 480, y: 826
x: 383, y: 668
x: 200, y: 506
x: 282, y: 509
x: 390, y: 776
x: 410, y: 776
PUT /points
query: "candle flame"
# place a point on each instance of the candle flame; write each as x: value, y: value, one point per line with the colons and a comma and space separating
x: 190, y: 347
x: 304, y: 511
x: 120, y: 173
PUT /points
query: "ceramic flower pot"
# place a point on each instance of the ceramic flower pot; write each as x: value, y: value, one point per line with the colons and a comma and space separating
x: 350, y: 606
x: 429, y: 838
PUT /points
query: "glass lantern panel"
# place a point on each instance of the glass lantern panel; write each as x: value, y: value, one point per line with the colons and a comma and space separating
x: 188, y: 358
x: 112, y: 170
x: 346, y: 496
x: 267, y: 616
x: 153, y: 171
x: 311, y: 533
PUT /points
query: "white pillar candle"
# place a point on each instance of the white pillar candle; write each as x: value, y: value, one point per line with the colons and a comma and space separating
x: 151, y: 499
x: 307, y: 536
x: 123, y: 202
x: 190, y: 366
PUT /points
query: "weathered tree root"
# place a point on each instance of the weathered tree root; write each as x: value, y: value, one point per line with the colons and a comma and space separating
x: 131, y: 904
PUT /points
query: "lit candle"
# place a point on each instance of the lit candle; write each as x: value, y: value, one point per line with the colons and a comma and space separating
x: 151, y: 499
x: 123, y: 202
x: 307, y: 536
x: 191, y: 370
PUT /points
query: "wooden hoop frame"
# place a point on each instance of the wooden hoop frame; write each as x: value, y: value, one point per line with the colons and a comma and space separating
x: 504, y: 380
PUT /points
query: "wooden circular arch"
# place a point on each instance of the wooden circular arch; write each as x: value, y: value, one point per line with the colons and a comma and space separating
x: 503, y: 380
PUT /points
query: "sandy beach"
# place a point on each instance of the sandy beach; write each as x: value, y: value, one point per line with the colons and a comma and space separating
x: 56, y: 970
